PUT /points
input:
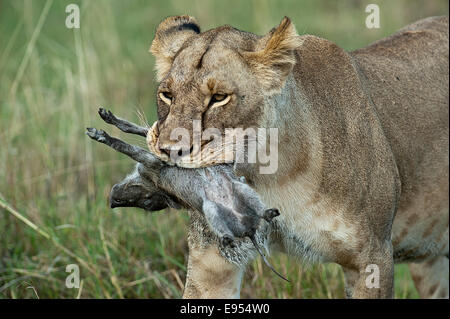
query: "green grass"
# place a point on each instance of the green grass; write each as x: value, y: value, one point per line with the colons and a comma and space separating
x: 52, y: 80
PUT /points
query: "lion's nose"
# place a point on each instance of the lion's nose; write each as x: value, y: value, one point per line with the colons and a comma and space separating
x: 175, y: 152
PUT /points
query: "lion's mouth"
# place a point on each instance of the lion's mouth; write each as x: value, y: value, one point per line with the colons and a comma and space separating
x: 209, y: 152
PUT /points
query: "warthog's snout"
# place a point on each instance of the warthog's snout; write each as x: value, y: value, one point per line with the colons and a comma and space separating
x: 126, y: 195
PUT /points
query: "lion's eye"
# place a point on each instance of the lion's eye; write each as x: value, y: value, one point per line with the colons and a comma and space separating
x: 219, y: 99
x: 166, y: 97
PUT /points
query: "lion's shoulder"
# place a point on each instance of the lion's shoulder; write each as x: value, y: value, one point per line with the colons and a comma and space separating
x: 426, y: 35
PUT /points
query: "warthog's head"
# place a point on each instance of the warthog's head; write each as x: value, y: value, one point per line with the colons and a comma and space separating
x: 136, y: 190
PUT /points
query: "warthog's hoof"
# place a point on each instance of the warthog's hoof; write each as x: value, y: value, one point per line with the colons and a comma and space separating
x: 98, y: 135
x: 107, y: 116
x: 227, y: 241
x: 270, y: 214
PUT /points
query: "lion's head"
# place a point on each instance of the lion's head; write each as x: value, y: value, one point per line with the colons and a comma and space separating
x: 220, y: 78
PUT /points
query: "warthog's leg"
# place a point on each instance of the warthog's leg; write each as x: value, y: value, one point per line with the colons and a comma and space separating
x: 135, y: 152
x: 122, y: 124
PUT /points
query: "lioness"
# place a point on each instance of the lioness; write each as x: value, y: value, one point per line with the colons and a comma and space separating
x: 362, y: 179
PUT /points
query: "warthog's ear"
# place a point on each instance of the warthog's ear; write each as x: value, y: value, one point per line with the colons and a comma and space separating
x: 273, y: 57
x: 171, y: 34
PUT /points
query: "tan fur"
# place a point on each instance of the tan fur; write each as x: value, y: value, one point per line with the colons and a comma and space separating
x: 430, y: 279
x: 168, y: 41
x: 274, y: 56
x: 210, y: 275
x: 363, y: 140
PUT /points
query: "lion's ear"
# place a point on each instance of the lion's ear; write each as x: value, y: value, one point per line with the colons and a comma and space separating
x: 273, y: 58
x: 170, y: 36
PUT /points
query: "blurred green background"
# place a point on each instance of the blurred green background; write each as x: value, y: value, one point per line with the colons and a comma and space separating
x: 53, y: 79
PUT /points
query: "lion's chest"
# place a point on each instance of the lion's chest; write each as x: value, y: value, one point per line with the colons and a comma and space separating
x: 309, y: 225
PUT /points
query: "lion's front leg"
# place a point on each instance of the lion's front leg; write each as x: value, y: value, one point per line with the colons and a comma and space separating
x: 373, y: 277
x: 209, y: 274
